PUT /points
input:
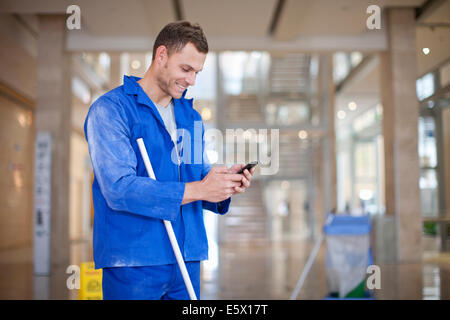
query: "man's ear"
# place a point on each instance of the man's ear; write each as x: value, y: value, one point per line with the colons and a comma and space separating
x: 161, y: 54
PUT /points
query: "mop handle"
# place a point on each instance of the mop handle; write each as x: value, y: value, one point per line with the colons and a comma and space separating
x: 168, y: 225
x: 306, y: 269
x: 309, y: 262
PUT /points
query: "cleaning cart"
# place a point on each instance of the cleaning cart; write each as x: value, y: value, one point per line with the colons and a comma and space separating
x: 348, y: 254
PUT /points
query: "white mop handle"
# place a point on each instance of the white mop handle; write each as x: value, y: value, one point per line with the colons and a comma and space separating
x: 168, y: 225
x: 310, y: 261
x: 306, y: 269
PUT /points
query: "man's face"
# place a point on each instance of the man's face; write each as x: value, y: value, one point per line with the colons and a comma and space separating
x: 179, y: 70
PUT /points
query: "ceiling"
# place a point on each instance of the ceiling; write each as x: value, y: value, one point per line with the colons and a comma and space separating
x: 432, y: 32
x: 301, y: 25
x: 231, y: 18
x: 325, y: 17
x: 247, y: 24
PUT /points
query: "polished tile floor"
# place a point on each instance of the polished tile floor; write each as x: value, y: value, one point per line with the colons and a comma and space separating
x: 243, y: 271
x: 272, y: 272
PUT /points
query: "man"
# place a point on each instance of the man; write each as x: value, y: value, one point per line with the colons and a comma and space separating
x: 130, y: 241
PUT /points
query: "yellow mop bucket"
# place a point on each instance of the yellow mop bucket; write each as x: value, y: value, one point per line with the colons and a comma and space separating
x: 90, y: 282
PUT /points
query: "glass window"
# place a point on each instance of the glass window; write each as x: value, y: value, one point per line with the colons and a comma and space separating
x: 427, y: 143
x: 428, y: 182
x: 429, y: 192
x: 244, y: 72
x: 425, y: 86
x: 365, y: 161
x: 341, y: 66
x: 365, y: 176
x: 368, y: 119
x: 81, y: 90
x: 287, y: 113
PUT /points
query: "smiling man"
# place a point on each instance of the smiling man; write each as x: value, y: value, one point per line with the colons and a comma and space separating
x: 130, y: 241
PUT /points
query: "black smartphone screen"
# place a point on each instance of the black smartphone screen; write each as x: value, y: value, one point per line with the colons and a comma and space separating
x: 248, y: 166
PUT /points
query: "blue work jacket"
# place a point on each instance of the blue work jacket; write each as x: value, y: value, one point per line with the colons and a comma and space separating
x: 129, y: 206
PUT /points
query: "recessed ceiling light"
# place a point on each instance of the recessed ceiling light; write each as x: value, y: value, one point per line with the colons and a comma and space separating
x: 302, y: 134
x: 352, y: 106
x: 426, y: 51
x: 341, y: 114
x: 206, y: 113
x: 135, y: 64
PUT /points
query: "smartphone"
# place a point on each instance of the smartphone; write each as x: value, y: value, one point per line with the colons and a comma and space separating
x: 248, y: 166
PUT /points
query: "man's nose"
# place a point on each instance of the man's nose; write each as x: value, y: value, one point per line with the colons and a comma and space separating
x: 191, y: 78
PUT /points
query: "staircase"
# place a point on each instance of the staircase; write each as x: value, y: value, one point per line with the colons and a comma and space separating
x: 289, y: 78
x: 246, y: 221
x: 290, y: 73
x: 243, y: 108
x: 295, y: 155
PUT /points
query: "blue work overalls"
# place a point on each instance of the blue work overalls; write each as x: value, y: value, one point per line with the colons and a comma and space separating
x: 129, y: 207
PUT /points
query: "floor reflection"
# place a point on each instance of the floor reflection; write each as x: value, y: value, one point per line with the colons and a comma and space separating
x: 242, y: 271
x: 271, y: 271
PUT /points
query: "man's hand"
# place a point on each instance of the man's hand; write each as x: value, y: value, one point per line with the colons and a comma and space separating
x: 219, y: 184
x: 246, y: 177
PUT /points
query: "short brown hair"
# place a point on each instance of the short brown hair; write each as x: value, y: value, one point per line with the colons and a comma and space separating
x: 175, y: 35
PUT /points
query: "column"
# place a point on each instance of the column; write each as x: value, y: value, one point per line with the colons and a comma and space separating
x: 115, y: 76
x: 328, y: 154
x: 398, y: 74
x: 53, y: 115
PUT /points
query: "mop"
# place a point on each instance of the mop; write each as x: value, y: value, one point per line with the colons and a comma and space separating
x: 308, y: 266
x: 168, y: 225
x: 309, y: 263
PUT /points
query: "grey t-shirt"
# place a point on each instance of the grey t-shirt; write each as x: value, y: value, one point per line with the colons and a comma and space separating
x: 168, y: 117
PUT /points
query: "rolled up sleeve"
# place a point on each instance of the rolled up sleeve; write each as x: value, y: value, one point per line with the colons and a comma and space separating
x: 114, y: 162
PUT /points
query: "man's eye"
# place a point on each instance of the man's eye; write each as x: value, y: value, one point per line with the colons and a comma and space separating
x: 185, y: 70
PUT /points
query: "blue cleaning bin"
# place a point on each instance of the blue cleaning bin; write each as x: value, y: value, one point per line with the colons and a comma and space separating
x: 348, y: 254
x: 347, y: 225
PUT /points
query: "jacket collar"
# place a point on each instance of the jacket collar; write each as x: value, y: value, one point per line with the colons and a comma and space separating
x: 131, y: 87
